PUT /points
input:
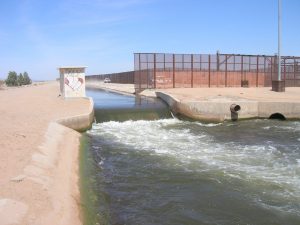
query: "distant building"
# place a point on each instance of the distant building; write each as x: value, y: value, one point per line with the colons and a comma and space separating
x: 72, y: 81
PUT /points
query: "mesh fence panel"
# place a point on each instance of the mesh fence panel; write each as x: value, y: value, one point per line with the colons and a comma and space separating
x: 159, y: 70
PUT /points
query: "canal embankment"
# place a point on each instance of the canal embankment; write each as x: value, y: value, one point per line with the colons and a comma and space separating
x: 39, y: 155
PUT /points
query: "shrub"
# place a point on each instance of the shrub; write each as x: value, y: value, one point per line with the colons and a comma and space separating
x: 27, y: 79
x: 20, y: 79
x: 14, y: 80
x: 11, y: 79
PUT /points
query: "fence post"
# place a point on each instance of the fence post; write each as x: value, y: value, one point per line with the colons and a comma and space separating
x: 284, y: 71
x: 148, y: 74
x: 242, y: 69
x: 182, y: 69
x: 140, y: 75
x: 164, y: 62
x: 173, y: 70
x: 234, y: 64
x: 192, y: 68
x: 257, y: 59
x: 264, y: 71
x: 209, y: 70
x: 164, y: 72
x: 218, y: 61
x: 272, y: 59
x: 154, y: 70
x: 295, y: 67
x: 226, y: 71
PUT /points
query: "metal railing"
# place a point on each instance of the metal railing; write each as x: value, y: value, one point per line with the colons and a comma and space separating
x: 160, y: 70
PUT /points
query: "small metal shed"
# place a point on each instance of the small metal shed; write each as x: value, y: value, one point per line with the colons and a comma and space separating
x: 72, y: 81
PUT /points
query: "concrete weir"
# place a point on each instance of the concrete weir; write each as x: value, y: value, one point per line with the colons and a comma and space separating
x: 221, y: 108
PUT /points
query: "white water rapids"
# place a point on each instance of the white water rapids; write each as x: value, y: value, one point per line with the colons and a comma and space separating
x: 270, y: 168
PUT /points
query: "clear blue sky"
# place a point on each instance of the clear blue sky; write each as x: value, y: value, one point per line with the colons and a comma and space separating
x: 38, y: 36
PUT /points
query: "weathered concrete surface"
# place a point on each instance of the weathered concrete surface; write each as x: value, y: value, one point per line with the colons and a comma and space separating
x: 80, y: 122
x: 290, y: 110
x: 213, y: 110
x: 213, y: 104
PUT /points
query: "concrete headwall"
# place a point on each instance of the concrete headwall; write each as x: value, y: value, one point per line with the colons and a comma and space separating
x: 214, y: 110
x: 218, y: 109
x: 80, y: 122
x: 290, y: 110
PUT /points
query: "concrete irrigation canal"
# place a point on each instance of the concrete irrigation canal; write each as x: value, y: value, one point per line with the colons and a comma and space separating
x: 145, y: 167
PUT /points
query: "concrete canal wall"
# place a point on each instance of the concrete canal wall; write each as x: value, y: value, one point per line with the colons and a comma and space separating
x: 80, y: 122
x: 218, y: 108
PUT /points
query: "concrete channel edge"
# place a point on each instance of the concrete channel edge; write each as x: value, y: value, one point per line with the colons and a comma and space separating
x: 80, y: 122
x: 219, y: 111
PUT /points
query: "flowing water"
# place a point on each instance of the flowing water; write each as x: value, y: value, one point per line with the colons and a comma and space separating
x: 168, y: 171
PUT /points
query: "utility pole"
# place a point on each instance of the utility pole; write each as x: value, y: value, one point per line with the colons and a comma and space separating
x: 279, y: 40
x: 279, y: 84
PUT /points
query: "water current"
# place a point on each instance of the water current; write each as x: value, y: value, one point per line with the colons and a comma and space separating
x: 161, y: 170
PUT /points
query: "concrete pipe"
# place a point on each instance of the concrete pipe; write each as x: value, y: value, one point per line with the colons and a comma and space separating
x: 234, y: 108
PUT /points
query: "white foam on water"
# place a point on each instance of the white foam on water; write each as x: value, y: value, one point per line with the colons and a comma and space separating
x: 293, y: 126
x: 172, y: 137
x: 208, y: 124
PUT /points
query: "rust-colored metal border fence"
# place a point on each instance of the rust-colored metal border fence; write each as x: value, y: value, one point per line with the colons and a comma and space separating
x: 122, y: 78
x: 160, y: 70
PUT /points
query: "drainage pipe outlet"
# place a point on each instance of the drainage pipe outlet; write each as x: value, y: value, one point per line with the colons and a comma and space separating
x: 234, y: 108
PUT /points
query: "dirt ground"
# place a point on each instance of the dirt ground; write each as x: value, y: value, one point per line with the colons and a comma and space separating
x: 38, y: 157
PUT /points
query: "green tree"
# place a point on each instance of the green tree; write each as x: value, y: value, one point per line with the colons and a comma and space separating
x: 12, y: 79
x: 27, y: 79
x: 20, y: 79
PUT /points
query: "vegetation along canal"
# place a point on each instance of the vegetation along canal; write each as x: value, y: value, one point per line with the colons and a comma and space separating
x: 149, y: 168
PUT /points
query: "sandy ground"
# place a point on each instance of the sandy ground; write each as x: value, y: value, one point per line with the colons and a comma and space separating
x: 38, y: 157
